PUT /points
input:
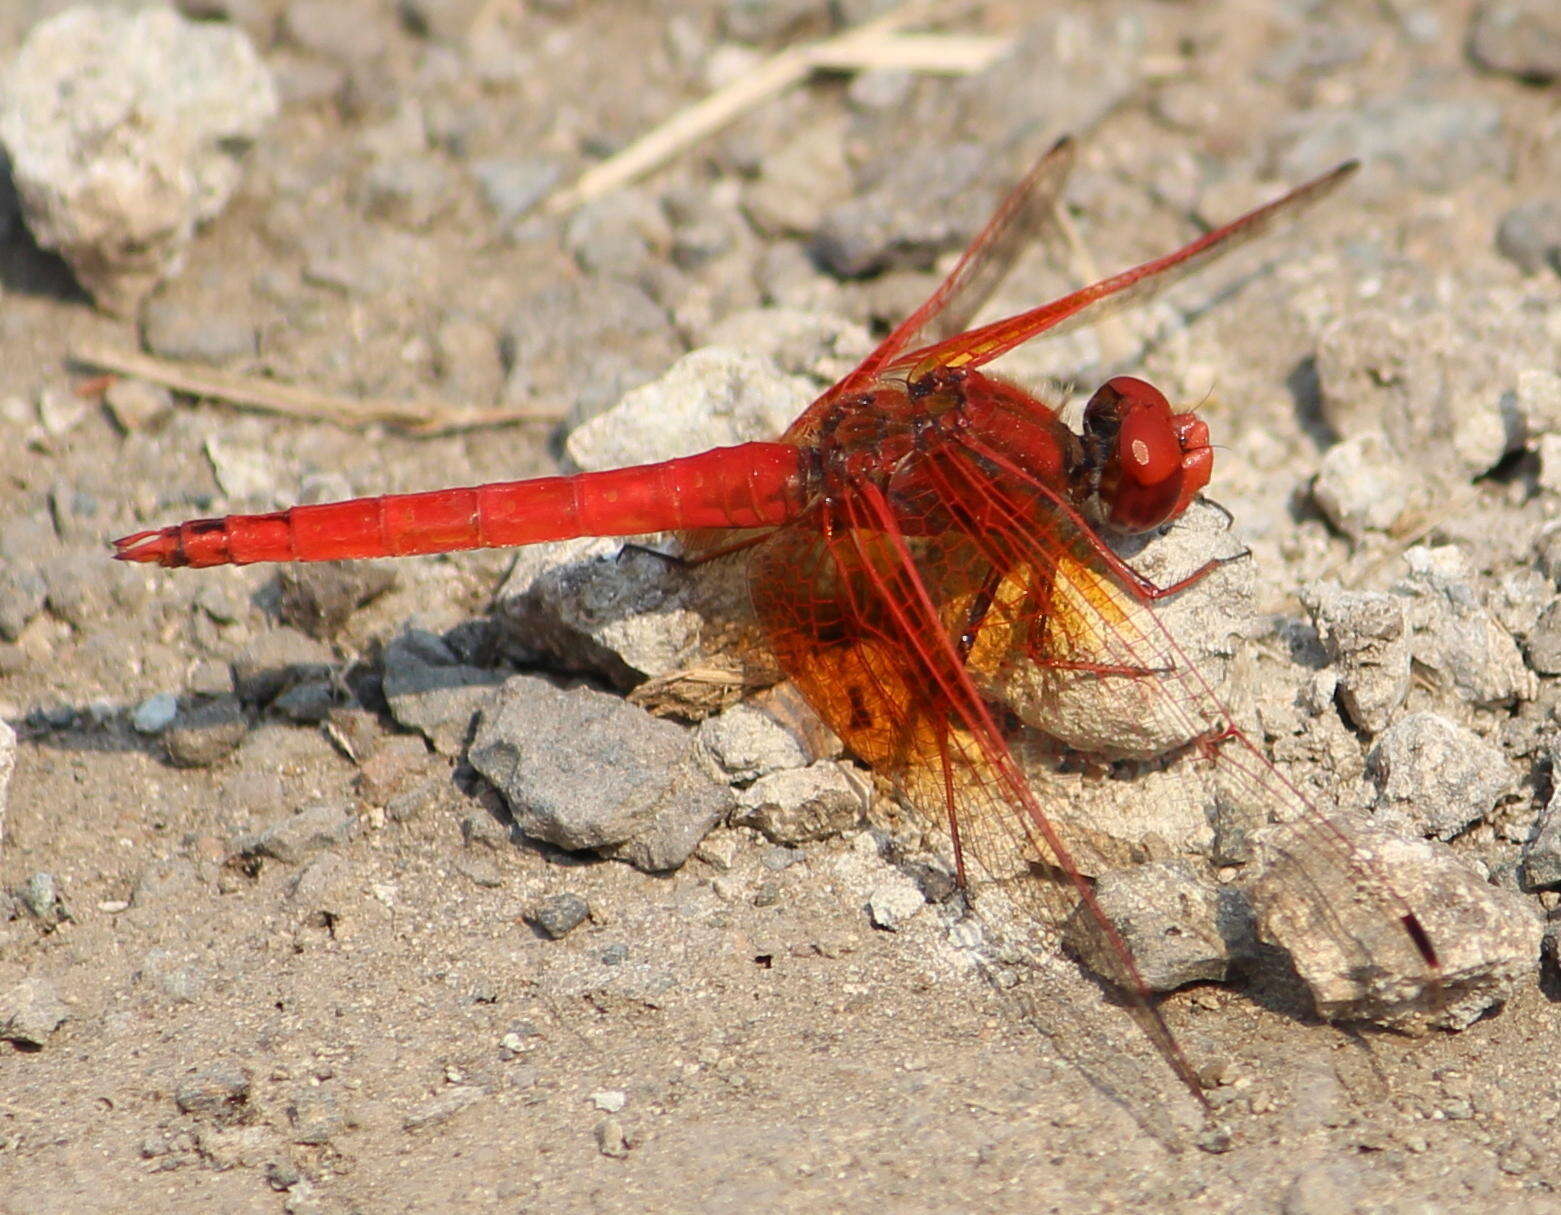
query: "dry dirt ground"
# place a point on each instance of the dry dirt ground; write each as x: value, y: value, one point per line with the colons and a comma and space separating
x: 368, y: 1022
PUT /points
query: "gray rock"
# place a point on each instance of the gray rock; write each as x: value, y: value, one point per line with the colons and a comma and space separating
x: 204, y: 732
x: 1544, y: 642
x: 218, y: 1094
x: 618, y: 610
x: 579, y: 346
x: 1529, y: 236
x: 443, y: 1107
x: 621, y: 234
x: 173, y: 976
x: 711, y: 397
x: 611, y: 1139
x: 1366, y: 637
x: 799, y: 180
x: 559, y: 914
x: 1179, y: 926
x: 307, y: 702
x: 441, y: 20
x: 511, y: 186
x: 325, y: 889
x: 910, y: 215
x: 276, y: 659
x: 189, y: 328
x: 1542, y: 853
x: 316, y: 1115
x: 1433, y: 141
x: 159, y: 880
x: 1438, y: 777
x: 1362, y: 486
x: 22, y: 595
x: 294, y: 838
x: 1455, y: 636
x: 582, y: 769
x: 41, y: 895
x: 411, y: 190
x: 155, y: 714
x: 431, y: 691
x: 123, y: 132
x: 1335, y: 900
x: 336, y: 31
x: 467, y: 360
x: 1521, y: 38
x: 1410, y: 379
x: 31, y: 1011
x: 814, y: 344
x: 801, y: 805
x: 748, y: 743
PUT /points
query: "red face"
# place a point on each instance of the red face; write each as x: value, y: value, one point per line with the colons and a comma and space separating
x: 1148, y: 463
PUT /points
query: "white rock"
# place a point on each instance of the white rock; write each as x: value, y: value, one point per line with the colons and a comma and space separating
x: 122, y: 131
x: 7, y: 766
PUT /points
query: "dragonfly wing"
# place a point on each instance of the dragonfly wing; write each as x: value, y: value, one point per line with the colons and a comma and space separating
x: 1027, y: 213
x: 1091, y: 650
x: 1130, y: 288
x: 866, y: 622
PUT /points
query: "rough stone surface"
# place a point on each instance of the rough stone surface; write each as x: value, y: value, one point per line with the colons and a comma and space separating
x: 1542, y: 852
x: 748, y: 743
x: 431, y: 691
x: 206, y: 731
x: 584, y: 770
x: 1342, y: 927
x: 275, y: 660
x: 1361, y: 486
x: 294, y: 838
x: 1435, y: 775
x: 1366, y: 636
x: 1519, y: 37
x: 894, y: 903
x: 1455, y: 636
x: 319, y: 598
x: 1179, y: 926
x: 31, y: 1011
x: 217, y: 1094
x: 801, y: 805
x: 559, y: 914
x: 122, y: 131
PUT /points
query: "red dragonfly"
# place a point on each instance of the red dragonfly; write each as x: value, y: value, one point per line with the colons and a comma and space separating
x: 921, y: 535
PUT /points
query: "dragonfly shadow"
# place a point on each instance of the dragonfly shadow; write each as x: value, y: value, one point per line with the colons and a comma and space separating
x: 1055, y: 1006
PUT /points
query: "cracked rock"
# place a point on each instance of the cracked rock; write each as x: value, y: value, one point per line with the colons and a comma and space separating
x: 584, y: 770
x: 1366, y: 637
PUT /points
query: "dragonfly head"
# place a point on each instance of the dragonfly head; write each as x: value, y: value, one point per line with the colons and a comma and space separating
x: 1142, y: 463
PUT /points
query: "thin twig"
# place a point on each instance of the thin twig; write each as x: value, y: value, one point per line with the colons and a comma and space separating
x: 871, y: 45
x: 290, y: 400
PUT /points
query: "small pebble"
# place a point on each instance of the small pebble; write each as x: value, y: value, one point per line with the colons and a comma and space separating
x: 155, y: 714
x: 559, y: 914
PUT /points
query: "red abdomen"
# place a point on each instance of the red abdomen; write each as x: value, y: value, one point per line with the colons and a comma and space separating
x: 750, y: 485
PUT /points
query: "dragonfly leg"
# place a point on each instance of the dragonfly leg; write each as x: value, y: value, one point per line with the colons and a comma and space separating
x: 1146, y: 591
x: 953, y: 816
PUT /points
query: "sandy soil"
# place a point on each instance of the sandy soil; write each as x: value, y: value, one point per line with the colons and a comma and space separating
x: 368, y: 1022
